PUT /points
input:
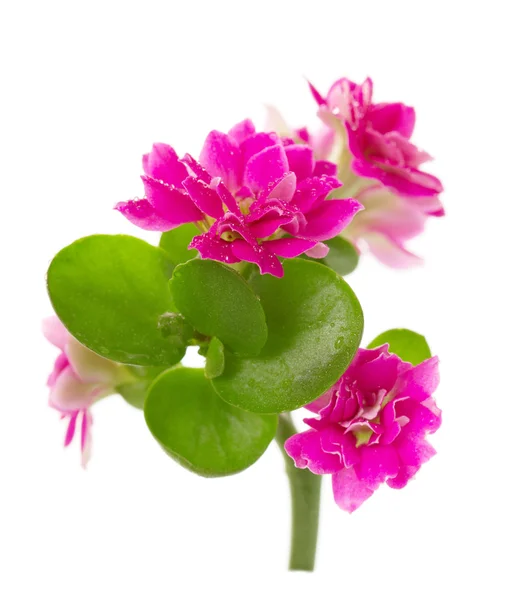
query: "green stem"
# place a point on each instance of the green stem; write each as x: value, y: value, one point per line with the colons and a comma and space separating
x: 305, y: 498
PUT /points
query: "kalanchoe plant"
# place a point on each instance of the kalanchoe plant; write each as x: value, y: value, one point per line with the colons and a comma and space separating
x: 257, y: 235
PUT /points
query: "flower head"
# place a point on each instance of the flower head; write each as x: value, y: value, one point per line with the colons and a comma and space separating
x: 79, y: 378
x: 379, y: 139
x: 255, y: 196
x: 371, y: 426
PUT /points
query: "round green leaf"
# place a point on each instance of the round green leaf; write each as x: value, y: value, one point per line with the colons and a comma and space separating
x: 408, y: 345
x: 111, y: 292
x: 214, y: 359
x: 315, y: 324
x: 342, y: 257
x: 217, y: 301
x: 135, y: 390
x: 175, y: 243
x: 201, y: 431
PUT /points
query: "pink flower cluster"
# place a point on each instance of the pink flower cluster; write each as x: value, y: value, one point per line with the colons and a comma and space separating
x: 79, y: 378
x: 371, y: 426
x: 378, y: 165
x: 255, y: 196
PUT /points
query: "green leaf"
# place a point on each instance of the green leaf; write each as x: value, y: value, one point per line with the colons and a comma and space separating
x: 111, y: 291
x: 199, y: 430
x: 408, y: 345
x: 175, y: 243
x: 134, y: 392
x: 342, y: 257
x: 217, y: 301
x: 315, y: 324
x: 215, y: 359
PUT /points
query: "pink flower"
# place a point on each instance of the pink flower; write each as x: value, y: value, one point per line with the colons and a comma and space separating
x: 371, y: 427
x: 255, y: 196
x: 386, y: 224
x: 79, y: 378
x: 379, y: 140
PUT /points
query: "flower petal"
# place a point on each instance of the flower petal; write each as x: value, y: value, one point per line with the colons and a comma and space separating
x: 289, y: 247
x: 390, y: 252
x: 329, y: 218
x: 256, y: 143
x: 419, y: 382
x: 301, y: 160
x: 266, y: 168
x: 319, y: 250
x: 163, y: 163
x: 377, y: 464
x: 142, y: 214
x: 349, y: 491
x: 170, y: 203
x: 394, y: 116
x: 242, y: 130
x: 71, y: 428
x: 205, y: 198
x: 221, y: 157
x: 69, y: 393
x: 90, y: 367
x: 257, y: 254
x: 306, y: 452
x: 55, y: 332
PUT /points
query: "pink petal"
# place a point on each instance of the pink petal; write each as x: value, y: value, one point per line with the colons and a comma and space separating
x: 283, y: 189
x: 390, y: 252
x: 324, y: 167
x: 211, y: 246
x: 227, y: 198
x: 86, y: 439
x: 379, y: 373
x: 221, y: 157
x: 330, y: 218
x: 393, y: 117
x: 377, y: 464
x: 266, y: 168
x: 316, y: 95
x: 69, y: 393
x: 142, y: 214
x: 258, y: 142
x: 289, y: 247
x: 313, y: 191
x: 197, y: 169
x: 257, y: 254
x: 60, y: 364
x: 205, y: 198
x: 396, y: 217
x: 241, y: 131
x: 163, y: 163
x: 406, y: 181
x: 55, y: 332
x: 335, y: 441
x: 349, y: 491
x: 421, y: 419
x: 306, y: 451
x: 170, y: 203
x: 301, y: 160
x: 89, y: 367
x: 405, y: 473
x: 69, y: 434
x: 419, y: 382
x: 414, y: 451
x: 319, y: 250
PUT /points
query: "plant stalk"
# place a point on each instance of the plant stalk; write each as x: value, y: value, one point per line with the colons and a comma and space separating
x: 305, y: 498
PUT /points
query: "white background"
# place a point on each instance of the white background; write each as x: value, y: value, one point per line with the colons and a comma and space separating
x: 86, y: 89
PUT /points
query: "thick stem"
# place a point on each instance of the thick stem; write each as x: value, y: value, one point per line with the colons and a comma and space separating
x: 305, y: 498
